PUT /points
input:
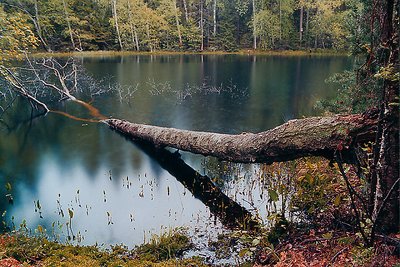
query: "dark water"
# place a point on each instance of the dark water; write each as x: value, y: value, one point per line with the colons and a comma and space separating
x: 119, y: 193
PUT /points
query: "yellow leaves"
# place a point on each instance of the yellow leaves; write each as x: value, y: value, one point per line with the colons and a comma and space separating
x: 16, y: 35
x: 337, y: 201
x: 389, y: 72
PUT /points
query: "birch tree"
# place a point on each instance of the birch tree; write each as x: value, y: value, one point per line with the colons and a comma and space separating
x: 115, y: 20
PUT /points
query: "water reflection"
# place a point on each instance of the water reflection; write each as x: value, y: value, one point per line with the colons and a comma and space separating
x: 227, y: 210
x: 50, y: 158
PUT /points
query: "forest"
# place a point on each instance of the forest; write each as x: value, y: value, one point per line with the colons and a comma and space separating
x: 187, y: 25
x: 128, y: 142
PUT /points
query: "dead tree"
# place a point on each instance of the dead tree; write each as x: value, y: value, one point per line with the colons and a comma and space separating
x: 318, y: 136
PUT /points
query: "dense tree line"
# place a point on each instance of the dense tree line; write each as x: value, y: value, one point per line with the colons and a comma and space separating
x: 186, y: 25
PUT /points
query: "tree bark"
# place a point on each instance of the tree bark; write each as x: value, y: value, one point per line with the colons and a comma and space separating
x: 385, y: 189
x: 318, y: 136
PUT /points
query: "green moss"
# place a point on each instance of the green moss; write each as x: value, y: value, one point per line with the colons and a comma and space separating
x: 164, y: 247
x: 160, y: 251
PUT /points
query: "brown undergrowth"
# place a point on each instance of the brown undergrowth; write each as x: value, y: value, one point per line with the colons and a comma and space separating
x: 328, y: 232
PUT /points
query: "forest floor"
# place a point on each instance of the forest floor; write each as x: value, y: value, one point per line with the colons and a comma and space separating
x: 303, y: 249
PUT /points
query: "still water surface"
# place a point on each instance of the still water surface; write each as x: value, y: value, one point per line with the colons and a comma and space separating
x: 117, y: 192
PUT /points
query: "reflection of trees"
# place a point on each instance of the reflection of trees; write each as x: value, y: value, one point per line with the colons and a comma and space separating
x: 283, y: 88
x: 228, y: 211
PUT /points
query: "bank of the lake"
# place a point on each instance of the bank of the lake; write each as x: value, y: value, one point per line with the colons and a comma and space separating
x: 315, y: 247
x: 308, y: 52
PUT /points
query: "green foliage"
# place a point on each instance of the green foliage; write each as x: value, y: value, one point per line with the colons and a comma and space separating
x: 65, y: 25
x: 316, y: 190
x: 361, y: 254
x: 191, y: 36
x: 166, y: 246
x: 307, y: 188
x: 91, y: 29
x: 328, y: 24
x: 267, y: 28
x: 352, y: 97
x: 38, y: 250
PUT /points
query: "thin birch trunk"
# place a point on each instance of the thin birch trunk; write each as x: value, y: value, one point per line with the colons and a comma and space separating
x: 148, y: 36
x: 215, y: 18
x: 115, y: 15
x: 301, y: 26
x: 177, y: 24
x: 307, y: 23
x: 254, y: 26
x: 133, y: 27
x: 38, y: 27
x: 68, y: 24
x: 201, y: 25
x: 186, y: 11
x: 280, y: 20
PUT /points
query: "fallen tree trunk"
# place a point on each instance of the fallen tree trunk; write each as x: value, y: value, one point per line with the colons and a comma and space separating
x: 316, y: 136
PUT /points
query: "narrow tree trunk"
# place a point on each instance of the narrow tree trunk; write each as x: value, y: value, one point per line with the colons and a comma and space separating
x: 178, y: 27
x: 115, y: 15
x: 38, y: 27
x: 135, y: 40
x: 148, y: 36
x: 186, y: 11
x: 215, y: 18
x: 80, y: 43
x: 254, y: 25
x: 68, y: 24
x: 201, y: 25
x: 307, y: 25
x: 319, y: 136
x: 280, y: 20
x: 301, y: 26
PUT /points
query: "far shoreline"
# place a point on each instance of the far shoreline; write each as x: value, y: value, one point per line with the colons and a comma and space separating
x: 243, y: 52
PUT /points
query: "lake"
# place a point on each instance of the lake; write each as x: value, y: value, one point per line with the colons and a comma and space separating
x: 84, y: 181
